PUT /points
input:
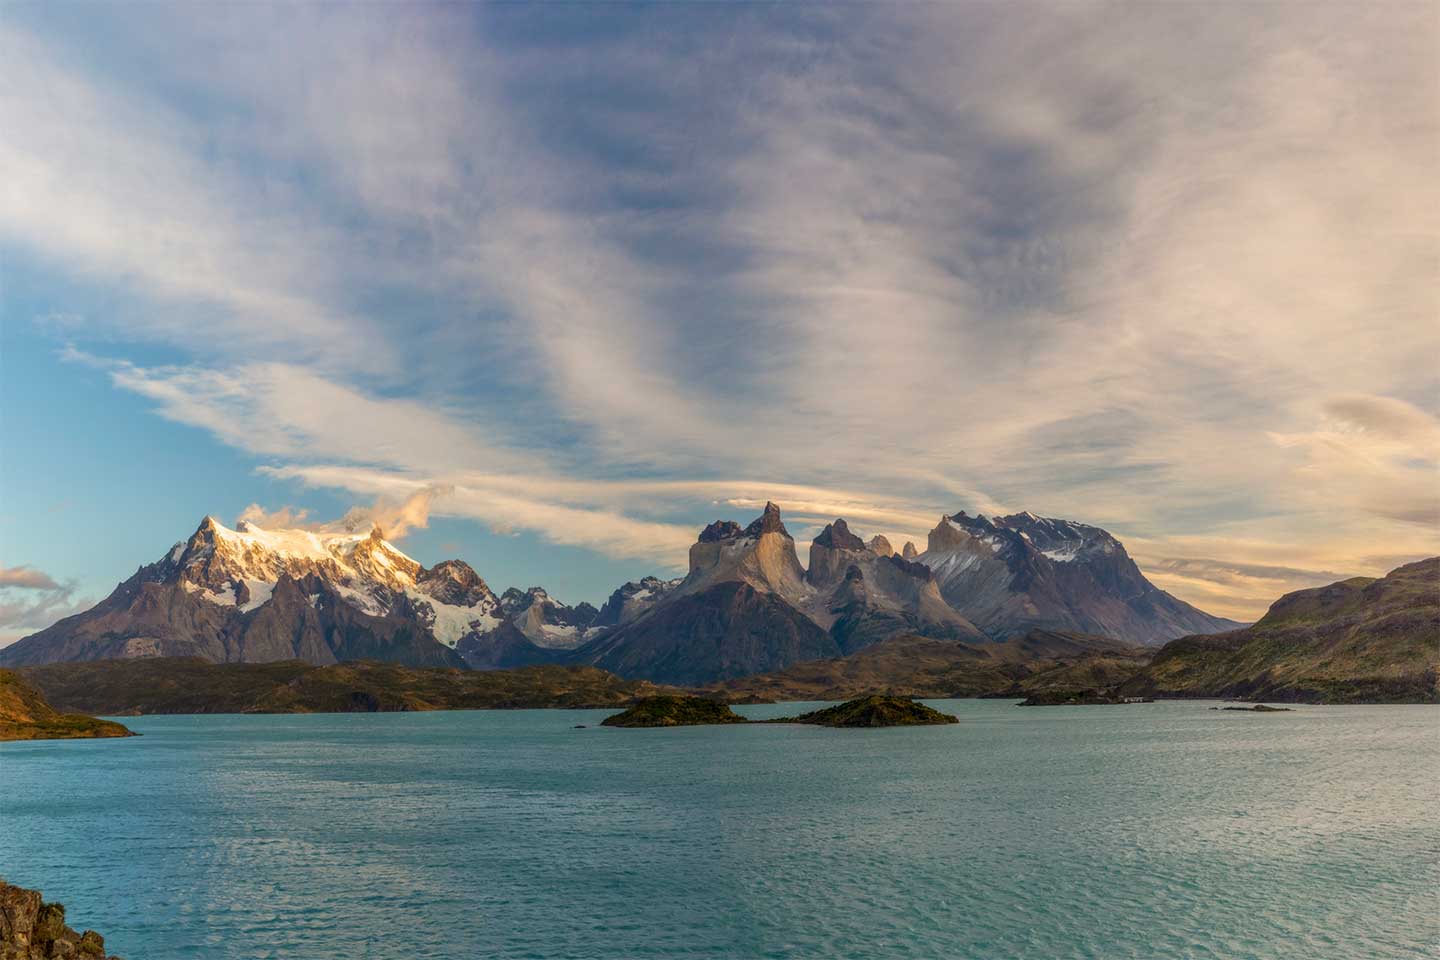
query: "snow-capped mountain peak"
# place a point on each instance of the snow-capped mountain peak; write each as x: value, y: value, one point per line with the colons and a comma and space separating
x: 216, y: 557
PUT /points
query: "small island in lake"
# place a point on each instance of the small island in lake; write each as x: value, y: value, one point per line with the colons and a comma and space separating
x: 1258, y: 708
x: 875, y: 711
x: 872, y: 711
x: 674, y: 711
x: 26, y: 715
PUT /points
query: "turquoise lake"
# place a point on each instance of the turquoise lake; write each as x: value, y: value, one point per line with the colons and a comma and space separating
x: 1147, y: 831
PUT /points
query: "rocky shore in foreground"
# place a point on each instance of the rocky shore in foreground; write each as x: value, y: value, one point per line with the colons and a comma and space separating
x: 31, y: 929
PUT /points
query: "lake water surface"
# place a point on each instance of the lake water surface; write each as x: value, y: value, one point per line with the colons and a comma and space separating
x: 1147, y: 831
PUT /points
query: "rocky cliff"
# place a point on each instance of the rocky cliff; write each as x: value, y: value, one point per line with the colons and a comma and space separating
x: 31, y: 929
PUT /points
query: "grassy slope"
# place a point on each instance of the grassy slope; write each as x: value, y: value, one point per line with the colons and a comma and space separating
x: 25, y: 715
x: 910, y: 666
x: 187, y: 685
x: 1360, y: 640
x: 674, y: 711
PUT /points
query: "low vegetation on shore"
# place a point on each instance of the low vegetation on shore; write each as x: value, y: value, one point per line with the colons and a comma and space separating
x: 165, y: 685
x: 25, y: 715
x: 674, y: 711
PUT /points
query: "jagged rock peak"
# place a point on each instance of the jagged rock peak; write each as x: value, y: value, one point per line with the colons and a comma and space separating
x: 978, y: 522
x: 838, y: 536
x: 880, y: 546
x: 515, y: 599
x: 908, y: 551
x: 910, y: 567
x: 456, y: 583
x: 721, y: 530
x: 767, y: 522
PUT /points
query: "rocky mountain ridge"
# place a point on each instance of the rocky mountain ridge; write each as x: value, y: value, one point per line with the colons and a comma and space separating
x: 1013, y: 573
x: 746, y: 604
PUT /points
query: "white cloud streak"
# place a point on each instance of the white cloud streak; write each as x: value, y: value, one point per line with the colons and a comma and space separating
x: 1150, y: 266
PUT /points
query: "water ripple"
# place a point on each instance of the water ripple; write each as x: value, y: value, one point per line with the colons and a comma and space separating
x: 1152, y: 832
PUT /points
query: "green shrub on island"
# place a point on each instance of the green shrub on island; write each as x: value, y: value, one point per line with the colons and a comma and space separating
x: 674, y: 711
x: 875, y: 711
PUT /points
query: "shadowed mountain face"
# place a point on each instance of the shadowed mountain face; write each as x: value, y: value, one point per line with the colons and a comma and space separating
x: 1359, y: 640
x: 1011, y: 574
x: 727, y: 629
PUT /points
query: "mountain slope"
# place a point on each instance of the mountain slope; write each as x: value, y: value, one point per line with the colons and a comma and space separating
x: 908, y: 665
x: 252, y: 595
x: 25, y: 715
x: 870, y: 595
x: 1011, y: 574
x: 167, y: 685
x: 738, y: 611
x: 727, y: 629
x: 1360, y: 640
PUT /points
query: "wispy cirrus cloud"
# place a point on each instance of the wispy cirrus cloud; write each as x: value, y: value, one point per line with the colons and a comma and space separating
x: 1141, y: 265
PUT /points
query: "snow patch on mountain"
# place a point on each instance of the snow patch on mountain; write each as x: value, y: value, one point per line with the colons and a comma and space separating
x: 451, y: 622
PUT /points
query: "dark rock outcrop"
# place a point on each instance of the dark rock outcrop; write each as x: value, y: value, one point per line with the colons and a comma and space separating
x: 875, y: 710
x: 455, y: 583
x: 837, y: 535
x: 721, y: 530
x: 31, y: 929
x: 673, y: 711
x: 767, y: 522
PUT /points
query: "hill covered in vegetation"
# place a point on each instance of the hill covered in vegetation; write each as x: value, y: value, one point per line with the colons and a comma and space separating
x: 1356, y: 641
x: 25, y: 715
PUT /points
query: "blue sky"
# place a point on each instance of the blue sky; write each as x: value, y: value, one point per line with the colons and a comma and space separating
x: 558, y: 284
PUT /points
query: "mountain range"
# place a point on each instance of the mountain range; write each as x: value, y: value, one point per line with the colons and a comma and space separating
x: 746, y: 605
